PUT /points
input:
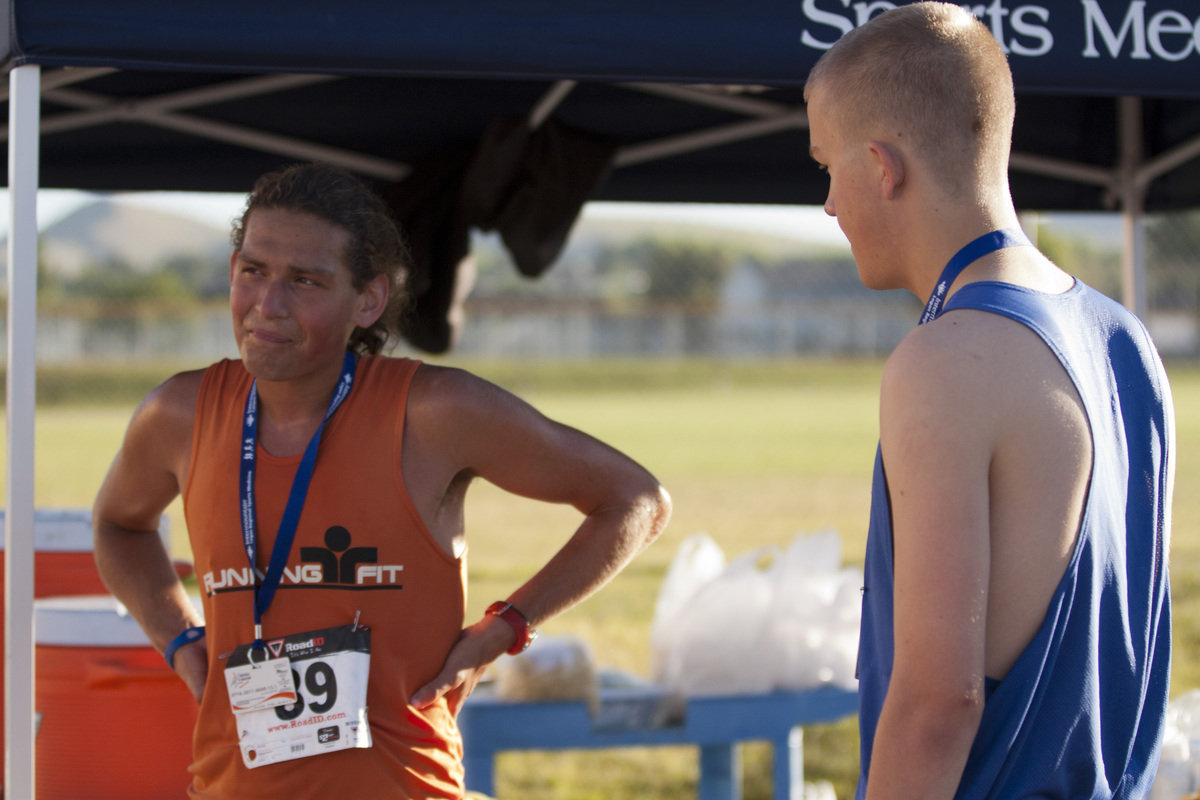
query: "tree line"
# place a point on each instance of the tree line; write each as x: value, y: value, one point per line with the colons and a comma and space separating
x: 649, y: 269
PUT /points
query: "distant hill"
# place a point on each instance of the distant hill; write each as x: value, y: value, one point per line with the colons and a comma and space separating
x: 589, y: 232
x: 109, y: 230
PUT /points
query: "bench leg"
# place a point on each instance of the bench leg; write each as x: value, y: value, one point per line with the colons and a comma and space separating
x: 720, y: 772
x: 788, y: 766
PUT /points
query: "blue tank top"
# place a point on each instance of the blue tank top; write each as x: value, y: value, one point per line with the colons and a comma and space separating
x: 1081, y: 712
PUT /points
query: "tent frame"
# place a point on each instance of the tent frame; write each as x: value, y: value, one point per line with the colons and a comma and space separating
x: 19, y: 689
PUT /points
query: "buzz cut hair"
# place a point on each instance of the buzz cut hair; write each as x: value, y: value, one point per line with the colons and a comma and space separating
x: 929, y: 71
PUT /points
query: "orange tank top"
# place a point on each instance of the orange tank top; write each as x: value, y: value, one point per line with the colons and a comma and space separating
x: 357, y: 512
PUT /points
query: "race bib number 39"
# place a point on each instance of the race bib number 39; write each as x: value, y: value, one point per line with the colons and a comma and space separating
x: 329, y: 669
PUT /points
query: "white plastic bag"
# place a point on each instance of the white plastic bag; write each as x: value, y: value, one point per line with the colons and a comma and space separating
x: 698, y: 561
x: 769, y: 620
x: 711, y: 643
x: 812, y: 636
x: 1179, y: 769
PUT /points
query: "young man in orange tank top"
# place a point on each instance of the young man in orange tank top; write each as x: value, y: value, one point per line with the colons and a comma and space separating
x: 314, y: 275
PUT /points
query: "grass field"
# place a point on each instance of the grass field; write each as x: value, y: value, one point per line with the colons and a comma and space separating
x: 752, y: 454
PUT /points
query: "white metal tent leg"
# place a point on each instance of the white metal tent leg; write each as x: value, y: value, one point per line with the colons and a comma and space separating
x: 23, y: 111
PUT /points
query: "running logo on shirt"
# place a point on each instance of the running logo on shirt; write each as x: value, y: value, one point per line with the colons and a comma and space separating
x: 337, y: 565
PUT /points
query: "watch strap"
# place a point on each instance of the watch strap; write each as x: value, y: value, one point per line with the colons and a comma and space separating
x: 519, y: 623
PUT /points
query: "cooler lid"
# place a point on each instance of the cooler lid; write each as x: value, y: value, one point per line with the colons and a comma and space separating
x: 67, y: 530
x: 87, y: 621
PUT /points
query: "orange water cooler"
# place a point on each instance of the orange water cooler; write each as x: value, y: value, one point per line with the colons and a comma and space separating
x: 64, y: 566
x: 114, y: 721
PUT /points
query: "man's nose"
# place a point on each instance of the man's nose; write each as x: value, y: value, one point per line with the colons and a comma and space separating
x: 272, y: 301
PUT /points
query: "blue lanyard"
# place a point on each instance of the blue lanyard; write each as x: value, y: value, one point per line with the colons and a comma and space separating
x: 988, y: 243
x: 264, y: 593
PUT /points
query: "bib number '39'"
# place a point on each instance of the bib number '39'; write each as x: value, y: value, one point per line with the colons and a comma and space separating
x: 329, y: 670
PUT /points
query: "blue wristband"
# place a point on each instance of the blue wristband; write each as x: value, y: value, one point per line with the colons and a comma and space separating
x: 187, y: 637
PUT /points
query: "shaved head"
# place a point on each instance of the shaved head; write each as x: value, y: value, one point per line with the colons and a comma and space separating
x: 932, y: 78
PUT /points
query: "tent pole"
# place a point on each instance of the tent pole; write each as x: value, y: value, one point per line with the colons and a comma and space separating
x: 1133, y: 201
x: 19, y: 727
x: 550, y: 101
x: 711, y: 137
x: 1133, y: 257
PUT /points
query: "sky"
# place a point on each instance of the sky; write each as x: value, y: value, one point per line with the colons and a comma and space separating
x: 54, y: 204
x: 808, y: 223
x: 803, y: 223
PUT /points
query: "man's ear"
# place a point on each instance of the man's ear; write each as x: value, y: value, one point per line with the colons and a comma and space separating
x: 372, y: 301
x: 890, y: 162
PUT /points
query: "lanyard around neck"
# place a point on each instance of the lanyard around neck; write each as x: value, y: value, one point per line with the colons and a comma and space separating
x: 988, y: 243
x: 264, y: 591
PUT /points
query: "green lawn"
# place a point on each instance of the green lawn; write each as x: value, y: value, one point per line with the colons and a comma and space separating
x: 752, y: 454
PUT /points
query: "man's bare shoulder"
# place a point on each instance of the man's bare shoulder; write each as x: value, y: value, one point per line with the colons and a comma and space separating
x: 440, y: 392
x: 966, y: 341
x: 167, y: 414
x: 968, y: 371
x: 150, y: 469
x: 172, y: 402
x: 432, y: 380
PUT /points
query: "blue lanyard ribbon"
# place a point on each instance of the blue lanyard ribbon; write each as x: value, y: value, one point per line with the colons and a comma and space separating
x: 988, y: 243
x: 266, y: 585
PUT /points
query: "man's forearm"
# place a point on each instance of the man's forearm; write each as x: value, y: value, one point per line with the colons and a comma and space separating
x: 137, y: 570
x: 603, y: 544
x: 921, y: 747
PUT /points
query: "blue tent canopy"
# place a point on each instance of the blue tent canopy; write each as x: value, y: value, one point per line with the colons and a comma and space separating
x: 1090, y: 47
x: 703, y: 99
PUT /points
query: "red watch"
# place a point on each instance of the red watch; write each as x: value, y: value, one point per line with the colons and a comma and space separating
x: 520, y: 625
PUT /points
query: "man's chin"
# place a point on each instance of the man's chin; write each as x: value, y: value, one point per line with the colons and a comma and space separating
x: 871, y: 281
x: 876, y: 279
x: 265, y: 367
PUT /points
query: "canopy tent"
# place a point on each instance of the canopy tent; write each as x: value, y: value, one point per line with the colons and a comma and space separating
x: 698, y: 101
x: 704, y: 99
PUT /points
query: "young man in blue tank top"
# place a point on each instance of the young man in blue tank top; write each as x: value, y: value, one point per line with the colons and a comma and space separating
x: 1016, y: 615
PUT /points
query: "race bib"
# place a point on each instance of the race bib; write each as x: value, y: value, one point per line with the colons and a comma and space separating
x: 328, y: 710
